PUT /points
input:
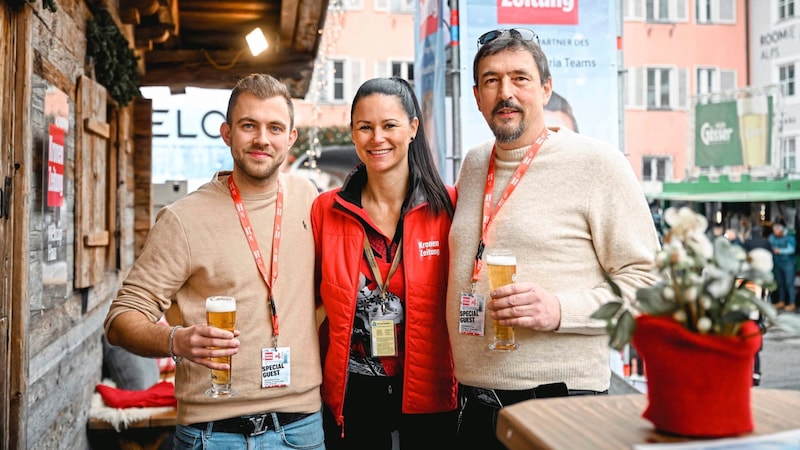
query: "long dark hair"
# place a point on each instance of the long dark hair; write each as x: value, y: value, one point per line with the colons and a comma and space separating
x: 423, y: 176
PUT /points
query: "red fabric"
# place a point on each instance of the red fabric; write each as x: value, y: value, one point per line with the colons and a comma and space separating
x: 697, y: 385
x: 159, y: 394
x: 429, y: 382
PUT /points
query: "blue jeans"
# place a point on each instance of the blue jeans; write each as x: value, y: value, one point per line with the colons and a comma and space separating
x: 784, y: 278
x: 306, y: 433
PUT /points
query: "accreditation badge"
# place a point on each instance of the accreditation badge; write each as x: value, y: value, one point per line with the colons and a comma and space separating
x: 471, y: 314
x: 384, y: 341
x: 275, y: 367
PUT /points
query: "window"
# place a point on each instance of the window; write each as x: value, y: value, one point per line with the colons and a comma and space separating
x: 349, y: 5
x: 715, y: 11
x: 632, y: 10
x: 789, y: 151
x: 785, y: 9
x: 787, y: 80
x: 665, y: 10
x: 655, y: 168
x: 337, y: 77
x: 403, y: 70
x: 341, y: 79
x: 713, y: 80
x: 396, y: 68
x: 395, y: 6
x: 402, y: 6
x: 657, y: 88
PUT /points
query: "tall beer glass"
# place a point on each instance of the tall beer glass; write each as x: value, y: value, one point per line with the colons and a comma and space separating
x: 753, y: 129
x: 502, y: 267
x: 221, y: 313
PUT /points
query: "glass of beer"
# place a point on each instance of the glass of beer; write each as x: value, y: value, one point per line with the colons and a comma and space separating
x: 502, y: 267
x: 754, y: 130
x: 221, y: 313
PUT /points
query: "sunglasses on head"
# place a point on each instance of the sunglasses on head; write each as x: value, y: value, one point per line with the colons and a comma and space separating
x: 522, y: 34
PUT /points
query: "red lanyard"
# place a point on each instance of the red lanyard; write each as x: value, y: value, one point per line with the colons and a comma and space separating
x: 251, y: 240
x: 489, y: 213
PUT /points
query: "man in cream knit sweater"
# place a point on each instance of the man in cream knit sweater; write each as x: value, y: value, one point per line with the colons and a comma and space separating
x: 573, y: 211
x: 230, y: 238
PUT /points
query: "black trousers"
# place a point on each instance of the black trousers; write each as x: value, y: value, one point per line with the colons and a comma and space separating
x: 477, y: 419
x: 372, y: 412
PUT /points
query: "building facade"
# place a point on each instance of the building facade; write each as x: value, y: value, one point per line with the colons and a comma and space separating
x: 676, y: 52
x: 774, y: 46
x: 363, y: 39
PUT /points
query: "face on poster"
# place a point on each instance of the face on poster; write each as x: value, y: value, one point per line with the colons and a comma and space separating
x: 579, y: 38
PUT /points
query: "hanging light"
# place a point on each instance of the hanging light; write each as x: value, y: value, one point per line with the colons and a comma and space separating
x: 257, y: 41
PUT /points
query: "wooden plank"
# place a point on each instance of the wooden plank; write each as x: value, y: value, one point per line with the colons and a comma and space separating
x: 96, y: 239
x: 90, y: 182
x: 6, y: 236
x: 163, y: 419
x: 20, y: 81
x: 101, y: 129
x: 142, y: 172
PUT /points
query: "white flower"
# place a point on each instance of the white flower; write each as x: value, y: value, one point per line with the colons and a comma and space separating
x: 701, y: 283
x: 684, y: 221
x: 703, y: 324
x: 690, y: 294
x: 760, y: 259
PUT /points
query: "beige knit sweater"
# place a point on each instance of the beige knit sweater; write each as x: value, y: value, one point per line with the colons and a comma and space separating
x: 578, y: 211
x: 196, y: 249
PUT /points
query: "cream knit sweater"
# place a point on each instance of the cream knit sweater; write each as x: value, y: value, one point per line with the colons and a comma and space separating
x: 578, y: 211
x: 196, y: 249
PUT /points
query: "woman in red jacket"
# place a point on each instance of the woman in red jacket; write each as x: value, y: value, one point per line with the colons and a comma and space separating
x: 382, y: 257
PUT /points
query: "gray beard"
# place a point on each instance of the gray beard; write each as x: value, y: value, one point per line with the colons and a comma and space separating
x: 504, y: 134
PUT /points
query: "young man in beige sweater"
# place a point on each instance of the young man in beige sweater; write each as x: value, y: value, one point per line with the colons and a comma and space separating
x: 230, y: 238
x: 571, y: 211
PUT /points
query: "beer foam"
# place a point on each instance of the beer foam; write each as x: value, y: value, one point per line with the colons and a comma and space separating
x: 501, y: 260
x: 220, y: 304
x: 752, y: 105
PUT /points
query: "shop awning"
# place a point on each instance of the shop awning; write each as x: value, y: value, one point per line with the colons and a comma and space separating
x: 725, y: 190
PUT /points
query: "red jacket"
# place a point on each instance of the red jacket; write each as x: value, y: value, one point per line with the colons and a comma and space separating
x: 429, y: 384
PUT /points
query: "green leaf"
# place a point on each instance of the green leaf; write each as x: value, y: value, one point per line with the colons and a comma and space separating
x: 607, y: 311
x: 623, y: 331
x: 614, y: 286
x: 650, y: 301
x: 736, y: 316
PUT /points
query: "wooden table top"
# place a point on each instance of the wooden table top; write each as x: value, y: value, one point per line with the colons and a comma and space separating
x: 164, y: 419
x: 616, y: 422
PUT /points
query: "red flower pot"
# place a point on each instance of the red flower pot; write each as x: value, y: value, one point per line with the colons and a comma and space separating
x: 697, y: 385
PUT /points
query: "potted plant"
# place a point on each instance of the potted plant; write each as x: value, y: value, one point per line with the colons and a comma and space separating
x: 697, y: 329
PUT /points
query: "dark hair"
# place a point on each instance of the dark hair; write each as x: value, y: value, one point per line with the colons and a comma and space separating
x: 508, y: 41
x: 558, y: 103
x: 263, y: 86
x: 422, y: 171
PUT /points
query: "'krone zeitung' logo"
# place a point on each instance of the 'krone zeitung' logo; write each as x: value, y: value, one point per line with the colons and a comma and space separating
x: 719, y: 133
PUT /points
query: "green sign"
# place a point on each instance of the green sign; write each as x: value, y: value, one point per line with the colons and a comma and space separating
x: 734, y: 133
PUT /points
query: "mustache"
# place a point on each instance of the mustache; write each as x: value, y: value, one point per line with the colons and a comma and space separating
x: 505, y: 104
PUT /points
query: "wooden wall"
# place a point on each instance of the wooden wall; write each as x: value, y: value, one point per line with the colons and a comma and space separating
x: 65, y: 320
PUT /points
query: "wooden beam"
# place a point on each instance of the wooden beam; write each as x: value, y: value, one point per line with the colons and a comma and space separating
x: 178, y: 69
